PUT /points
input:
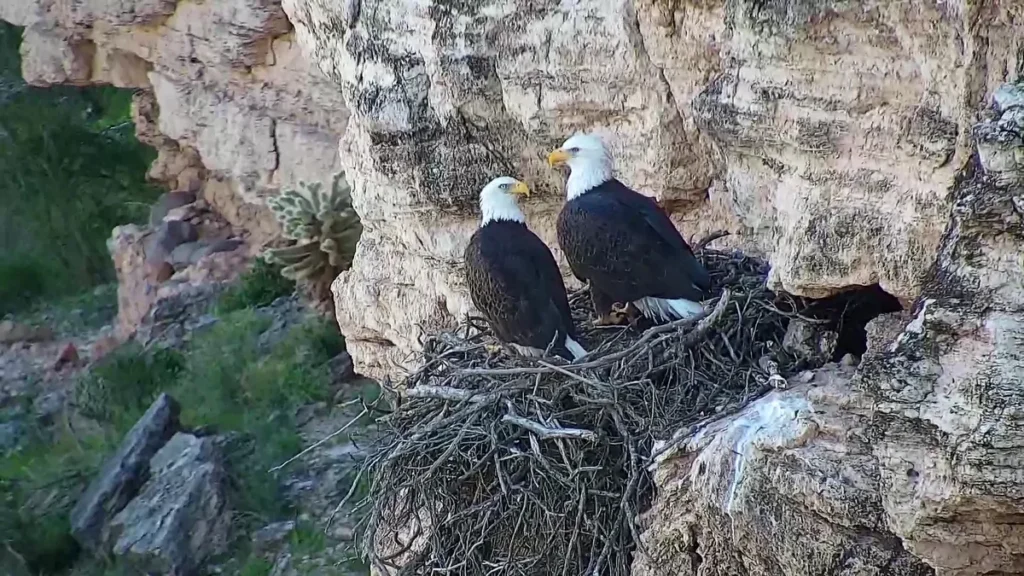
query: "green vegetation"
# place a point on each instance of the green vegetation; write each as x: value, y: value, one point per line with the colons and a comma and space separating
x: 77, y: 313
x: 326, y: 229
x: 259, y: 286
x: 70, y: 170
x: 229, y: 379
x: 38, y: 487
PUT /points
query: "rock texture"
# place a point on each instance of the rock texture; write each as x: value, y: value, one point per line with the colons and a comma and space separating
x: 830, y: 136
x: 224, y: 96
x: 186, y: 248
x: 124, y: 473
x: 908, y: 465
x: 179, y: 518
x: 825, y: 134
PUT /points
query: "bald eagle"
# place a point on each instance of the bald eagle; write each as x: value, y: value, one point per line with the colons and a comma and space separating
x: 514, y: 280
x: 622, y: 242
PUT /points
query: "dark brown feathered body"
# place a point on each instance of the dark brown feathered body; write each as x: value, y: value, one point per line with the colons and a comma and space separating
x: 514, y: 281
x: 626, y: 246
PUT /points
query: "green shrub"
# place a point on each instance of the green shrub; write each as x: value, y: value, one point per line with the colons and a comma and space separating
x: 119, y: 388
x: 227, y: 380
x: 71, y: 170
x: 231, y: 384
x: 22, y: 278
x: 259, y: 286
x: 39, y: 485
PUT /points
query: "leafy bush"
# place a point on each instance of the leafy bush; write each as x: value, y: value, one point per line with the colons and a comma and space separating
x: 38, y: 487
x: 259, y: 286
x: 21, y: 279
x: 230, y: 379
x: 70, y: 170
x: 119, y: 388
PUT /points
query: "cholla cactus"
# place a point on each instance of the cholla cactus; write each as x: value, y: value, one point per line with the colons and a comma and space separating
x: 324, y: 226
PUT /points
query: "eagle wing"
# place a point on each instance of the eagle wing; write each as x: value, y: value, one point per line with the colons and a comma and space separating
x: 514, y: 281
x: 627, y: 247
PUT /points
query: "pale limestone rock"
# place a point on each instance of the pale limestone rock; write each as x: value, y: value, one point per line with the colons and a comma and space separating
x: 827, y: 135
x: 55, y: 57
x: 922, y: 442
x: 223, y: 82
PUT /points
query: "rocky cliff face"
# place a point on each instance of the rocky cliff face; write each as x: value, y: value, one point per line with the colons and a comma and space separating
x: 224, y: 96
x: 227, y: 99
x: 827, y: 134
x: 830, y: 136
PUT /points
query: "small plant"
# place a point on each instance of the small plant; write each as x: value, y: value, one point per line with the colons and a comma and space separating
x: 39, y: 485
x: 325, y: 228
x: 259, y: 286
x: 121, y: 386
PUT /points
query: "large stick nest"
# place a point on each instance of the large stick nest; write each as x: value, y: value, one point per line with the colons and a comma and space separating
x: 498, y: 464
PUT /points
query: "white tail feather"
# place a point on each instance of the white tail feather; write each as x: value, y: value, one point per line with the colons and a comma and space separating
x: 574, y: 348
x: 665, y: 310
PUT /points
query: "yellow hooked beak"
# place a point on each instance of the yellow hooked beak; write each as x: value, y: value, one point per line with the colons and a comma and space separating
x: 521, y: 189
x: 557, y: 158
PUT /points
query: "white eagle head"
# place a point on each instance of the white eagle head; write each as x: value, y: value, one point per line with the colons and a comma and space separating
x: 589, y: 162
x: 498, y: 200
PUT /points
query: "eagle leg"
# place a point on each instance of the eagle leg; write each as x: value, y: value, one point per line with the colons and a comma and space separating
x: 631, y: 313
x: 605, y: 308
x: 617, y: 316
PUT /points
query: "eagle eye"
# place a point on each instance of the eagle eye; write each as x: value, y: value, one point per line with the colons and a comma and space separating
x: 574, y: 150
x: 504, y: 186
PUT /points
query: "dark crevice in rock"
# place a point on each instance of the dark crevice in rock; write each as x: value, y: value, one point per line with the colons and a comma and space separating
x: 693, y: 551
x: 848, y: 313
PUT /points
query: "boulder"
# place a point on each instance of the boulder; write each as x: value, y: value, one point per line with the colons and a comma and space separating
x: 168, y: 236
x: 216, y: 247
x: 11, y: 435
x: 272, y: 534
x: 168, y: 202
x: 185, y: 254
x: 907, y: 465
x: 124, y: 473
x: 179, y: 519
x: 12, y: 332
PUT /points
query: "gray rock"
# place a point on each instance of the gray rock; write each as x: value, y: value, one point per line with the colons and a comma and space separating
x: 180, y: 518
x: 272, y: 534
x: 228, y: 245
x: 168, y: 236
x: 341, y: 367
x: 11, y: 332
x: 1007, y: 97
x: 175, y: 320
x: 166, y: 203
x: 11, y: 434
x: 124, y: 473
x: 809, y: 341
x: 47, y: 406
x: 186, y: 254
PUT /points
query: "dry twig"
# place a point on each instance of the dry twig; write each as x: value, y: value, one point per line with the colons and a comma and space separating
x: 511, y: 465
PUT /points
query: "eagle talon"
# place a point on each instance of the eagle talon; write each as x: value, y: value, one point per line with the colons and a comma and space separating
x: 631, y: 313
x: 613, y: 318
x: 493, y: 349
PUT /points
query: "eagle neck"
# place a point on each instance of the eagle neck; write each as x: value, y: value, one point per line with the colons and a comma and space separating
x: 501, y: 207
x: 585, y: 178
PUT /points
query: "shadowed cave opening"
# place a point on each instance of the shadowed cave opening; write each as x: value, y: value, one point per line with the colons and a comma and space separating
x: 848, y: 314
